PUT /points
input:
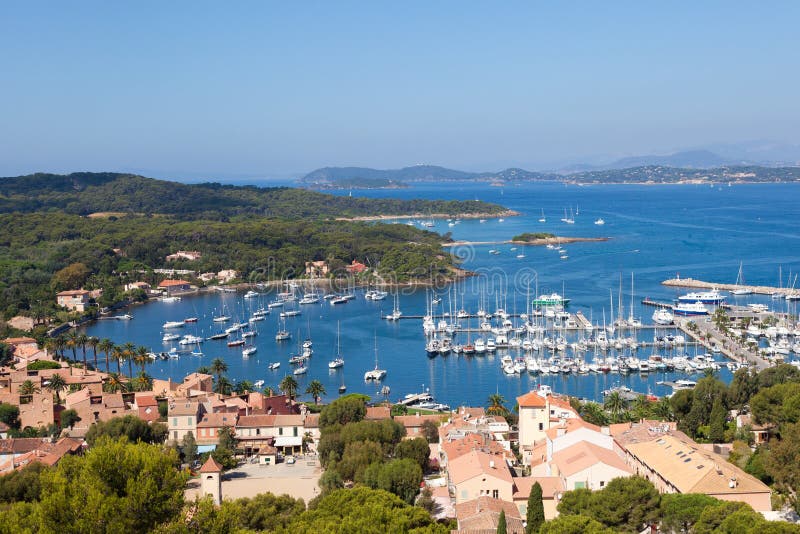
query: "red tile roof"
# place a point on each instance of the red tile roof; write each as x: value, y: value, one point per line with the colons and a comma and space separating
x: 211, y: 466
x: 531, y: 400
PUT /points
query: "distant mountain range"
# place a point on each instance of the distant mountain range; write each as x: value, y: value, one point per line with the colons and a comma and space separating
x: 676, y: 168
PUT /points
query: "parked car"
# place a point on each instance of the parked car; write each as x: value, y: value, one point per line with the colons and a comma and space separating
x: 290, y: 460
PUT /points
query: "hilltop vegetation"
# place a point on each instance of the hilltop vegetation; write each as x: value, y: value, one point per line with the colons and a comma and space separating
x: 86, y: 193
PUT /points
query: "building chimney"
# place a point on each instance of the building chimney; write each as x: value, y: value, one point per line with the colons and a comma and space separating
x: 491, y: 464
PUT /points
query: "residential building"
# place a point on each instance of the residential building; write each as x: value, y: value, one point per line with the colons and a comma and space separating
x: 182, y: 417
x: 413, y: 423
x: 585, y: 465
x: 210, y: 424
x: 538, y: 412
x: 189, y: 255
x: 552, y: 489
x: 675, y: 463
x: 146, y: 407
x: 317, y: 269
x: 174, y: 286
x: 476, y: 474
x: 144, y: 286
x: 76, y: 300
x: 226, y: 275
x: 356, y: 267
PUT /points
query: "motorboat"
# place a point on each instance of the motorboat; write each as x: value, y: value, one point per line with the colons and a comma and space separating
x: 274, y: 365
x: 251, y: 294
x: 173, y: 324
x: 248, y: 351
x: 300, y: 370
x: 599, y: 222
x: 663, y: 316
x: 690, y: 308
x: 170, y: 337
x: 221, y: 319
x: 190, y: 320
x: 375, y: 294
x: 703, y: 297
x: 190, y: 340
x: 339, y: 299
x: 553, y: 299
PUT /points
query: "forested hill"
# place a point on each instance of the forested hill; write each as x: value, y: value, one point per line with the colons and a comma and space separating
x: 86, y: 193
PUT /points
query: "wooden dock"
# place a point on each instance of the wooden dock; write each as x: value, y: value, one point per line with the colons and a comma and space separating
x: 700, y: 284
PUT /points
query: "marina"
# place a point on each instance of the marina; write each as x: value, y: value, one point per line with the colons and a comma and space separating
x: 589, y: 337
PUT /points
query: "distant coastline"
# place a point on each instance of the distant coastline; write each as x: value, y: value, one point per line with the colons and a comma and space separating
x: 501, y: 214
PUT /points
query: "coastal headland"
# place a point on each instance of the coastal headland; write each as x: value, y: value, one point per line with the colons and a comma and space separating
x: 555, y: 240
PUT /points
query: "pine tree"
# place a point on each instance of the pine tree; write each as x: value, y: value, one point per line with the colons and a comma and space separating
x: 717, y: 420
x: 535, y: 514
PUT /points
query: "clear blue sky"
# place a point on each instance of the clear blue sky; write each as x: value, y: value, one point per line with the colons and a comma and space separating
x: 269, y: 88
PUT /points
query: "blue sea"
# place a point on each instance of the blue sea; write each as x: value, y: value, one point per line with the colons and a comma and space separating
x: 656, y: 233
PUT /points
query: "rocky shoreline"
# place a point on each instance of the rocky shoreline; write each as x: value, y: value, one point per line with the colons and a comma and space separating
x: 534, y: 242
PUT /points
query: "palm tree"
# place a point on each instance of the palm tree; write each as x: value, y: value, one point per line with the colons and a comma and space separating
x: 72, y: 344
x: 114, y: 383
x: 143, y: 382
x: 662, y: 410
x: 204, y: 370
x: 316, y: 390
x: 94, y: 342
x: 60, y: 344
x: 615, y: 404
x: 83, y: 340
x: 28, y: 388
x: 106, y: 345
x: 496, y: 405
x: 57, y: 384
x: 141, y: 357
x: 593, y: 413
x: 218, y: 367
x: 129, y: 350
x: 243, y: 387
x: 118, y: 353
x: 223, y: 386
x: 269, y: 391
x: 289, y: 386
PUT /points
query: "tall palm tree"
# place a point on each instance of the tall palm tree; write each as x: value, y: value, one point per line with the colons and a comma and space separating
x: 269, y: 391
x: 289, y: 386
x: 316, y: 390
x: 72, y: 344
x: 118, y: 354
x: 142, y: 357
x: 615, y: 404
x: 641, y: 407
x: 82, y: 340
x: 106, y: 345
x: 218, y: 367
x: 94, y: 342
x: 497, y: 405
x: 593, y: 413
x: 203, y: 370
x: 28, y: 388
x: 243, y: 387
x: 56, y: 385
x: 129, y: 352
x: 60, y: 344
x: 662, y: 410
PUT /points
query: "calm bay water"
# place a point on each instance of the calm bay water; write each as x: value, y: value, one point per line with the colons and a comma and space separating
x: 656, y: 232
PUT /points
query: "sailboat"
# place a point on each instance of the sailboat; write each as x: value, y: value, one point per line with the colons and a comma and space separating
x: 740, y: 289
x: 338, y: 361
x: 376, y: 373
x: 542, y: 218
x: 282, y: 334
x: 396, y: 313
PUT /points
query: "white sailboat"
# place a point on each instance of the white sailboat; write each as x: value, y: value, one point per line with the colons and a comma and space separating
x: 396, y: 313
x: 740, y: 289
x: 338, y: 361
x: 375, y: 374
x: 542, y: 218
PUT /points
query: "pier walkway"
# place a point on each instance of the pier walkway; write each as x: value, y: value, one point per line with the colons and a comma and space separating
x: 700, y: 284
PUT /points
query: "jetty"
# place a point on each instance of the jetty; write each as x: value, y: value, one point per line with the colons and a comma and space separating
x: 701, y: 284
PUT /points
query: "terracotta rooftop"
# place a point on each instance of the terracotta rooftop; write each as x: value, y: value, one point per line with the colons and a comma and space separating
x: 312, y: 420
x: 173, y: 283
x: 694, y: 470
x: 378, y: 412
x: 532, y: 399
x: 414, y: 421
x: 570, y: 425
x: 211, y: 466
x: 482, y: 515
x: 217, y: 420
x: 184, y: 408
x: 73, y: 293
x: 551, y: 486
x: 476, y: 463
x: 143, y: 400
x: 254, y: 421
x: 583, y: 455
